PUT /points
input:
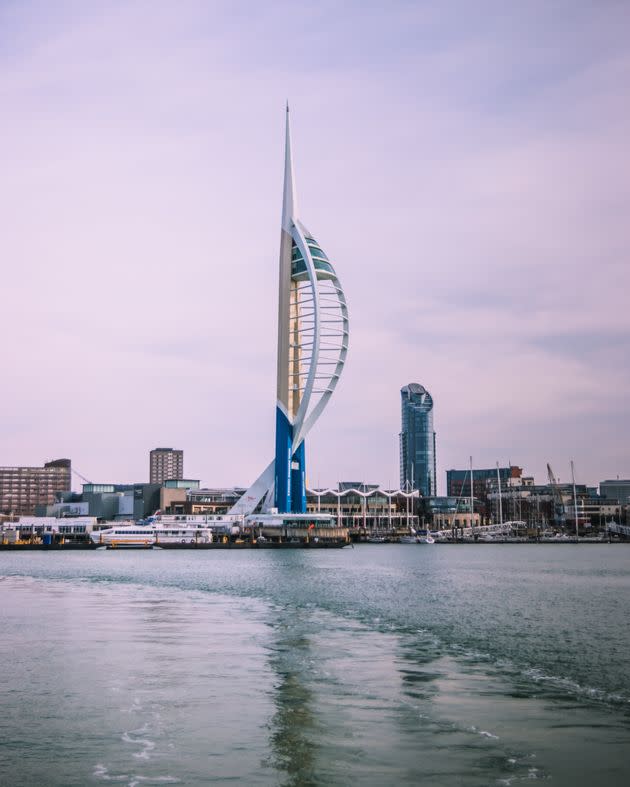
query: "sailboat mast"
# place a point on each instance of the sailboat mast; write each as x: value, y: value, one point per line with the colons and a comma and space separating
x: 472, y: 509
x: 575, y: 511
x: 410, y: 500
x: 500, y: 500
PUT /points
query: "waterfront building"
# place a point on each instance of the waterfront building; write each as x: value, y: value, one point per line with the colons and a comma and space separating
x: 67, y: 504
x: 355, y: 504
x: 455, y: 520
x: 594, y: 513
x: 216, y: 500
x: 174, y: 494
x: 181, y: 483
x: 458, y: 481
x: 121, y: 501
x: 165, y: 464
x: 24, y: 488
x: 367, y: 507
x: 417, y: 440
x: 433, y: 506
x: 25, y: 528
x: 313, y: 335
x: 618, y: 490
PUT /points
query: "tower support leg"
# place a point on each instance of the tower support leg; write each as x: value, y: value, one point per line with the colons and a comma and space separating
x: 283, y: 473
x: 298, y: 481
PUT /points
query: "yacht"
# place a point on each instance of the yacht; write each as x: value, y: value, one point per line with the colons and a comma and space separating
x: 412, y: 538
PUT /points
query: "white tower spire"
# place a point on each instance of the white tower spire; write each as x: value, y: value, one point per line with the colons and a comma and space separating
x: 312, y: 348
x: 289, y: 200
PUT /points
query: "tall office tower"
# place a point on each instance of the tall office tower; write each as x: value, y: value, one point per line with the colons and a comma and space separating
x: 312, y: 348
x: 165, y: 464
x: 417, y: 440
x: 24, y: 488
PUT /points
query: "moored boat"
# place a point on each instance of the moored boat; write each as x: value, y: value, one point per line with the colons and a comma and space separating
x: 168, y: 531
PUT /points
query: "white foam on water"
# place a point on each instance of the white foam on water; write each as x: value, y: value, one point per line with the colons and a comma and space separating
x: 567, y: 684
x: 484, y: 733
x: 136, y: 707
x: 147, y: 744
x: 102, y: 772
x: 538, y: 675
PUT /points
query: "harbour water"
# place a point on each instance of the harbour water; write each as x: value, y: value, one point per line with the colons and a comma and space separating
x: 378, y: 665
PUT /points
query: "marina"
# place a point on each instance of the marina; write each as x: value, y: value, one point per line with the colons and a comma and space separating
x: 273, y: 530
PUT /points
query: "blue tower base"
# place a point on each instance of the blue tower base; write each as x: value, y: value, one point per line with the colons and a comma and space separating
x: 290, y: 473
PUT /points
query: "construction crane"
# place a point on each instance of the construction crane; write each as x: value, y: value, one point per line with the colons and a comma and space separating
x: 559, y: 510
x: 82, y: 477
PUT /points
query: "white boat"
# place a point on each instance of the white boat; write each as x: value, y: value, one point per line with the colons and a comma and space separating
x: 427, y: 539
x: 167, y: 530
x: 125, y: 534
x: 143, y: 537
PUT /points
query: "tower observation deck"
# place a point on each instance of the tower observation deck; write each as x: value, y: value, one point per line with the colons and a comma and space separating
x: 313, y: 333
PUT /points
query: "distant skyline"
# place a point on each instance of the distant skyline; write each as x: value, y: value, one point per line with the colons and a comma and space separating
x: 466, y: 166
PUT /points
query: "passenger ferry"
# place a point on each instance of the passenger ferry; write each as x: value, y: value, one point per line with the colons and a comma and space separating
x: 168, y: 531
x: 290, y: 530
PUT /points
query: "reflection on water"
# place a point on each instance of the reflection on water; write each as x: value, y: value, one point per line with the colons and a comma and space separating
x: 293, y: 735
x: 352, y: 704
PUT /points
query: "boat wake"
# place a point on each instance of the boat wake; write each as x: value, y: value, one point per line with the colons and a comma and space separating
x: 102, y: 772
x: 147, y: 745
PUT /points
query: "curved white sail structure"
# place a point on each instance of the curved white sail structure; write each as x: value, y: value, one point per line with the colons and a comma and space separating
x: 313, y: 333
x: 320, y: 346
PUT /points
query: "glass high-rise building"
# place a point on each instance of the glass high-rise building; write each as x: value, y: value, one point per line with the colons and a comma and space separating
x: 417, y: 440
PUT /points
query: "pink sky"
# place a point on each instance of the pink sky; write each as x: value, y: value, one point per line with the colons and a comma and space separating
x: 465, y: 166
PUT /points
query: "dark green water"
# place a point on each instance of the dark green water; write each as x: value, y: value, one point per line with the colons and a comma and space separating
x: 380, y: 665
